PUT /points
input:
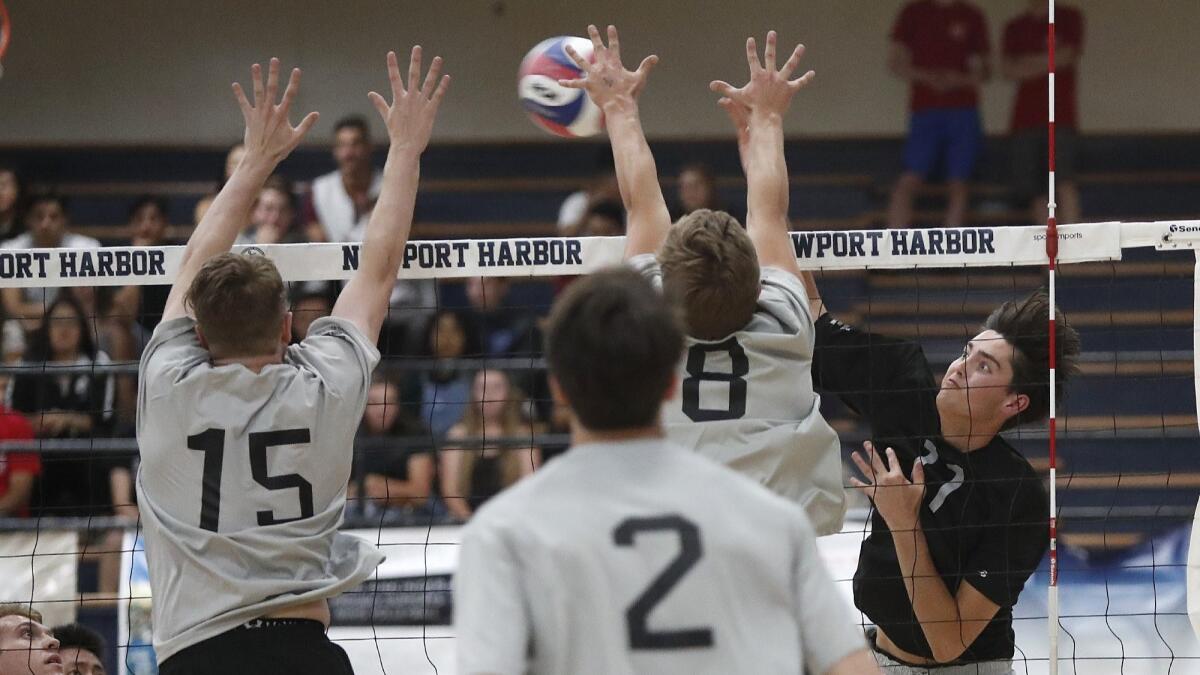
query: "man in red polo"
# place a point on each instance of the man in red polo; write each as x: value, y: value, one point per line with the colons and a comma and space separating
x: 17, y: 469
x: 1026, y: 63
x: 940, y: 47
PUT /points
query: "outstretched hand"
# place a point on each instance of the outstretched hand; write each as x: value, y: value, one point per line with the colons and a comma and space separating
x: 605, y: 79
x: 409, y: 119
x: 269, y: 135
x: 769, y: 90
x: 896, y: 498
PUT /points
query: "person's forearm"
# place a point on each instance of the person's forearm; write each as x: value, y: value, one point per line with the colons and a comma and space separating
x: 934, y: 606
x: 390, y: 223
x: 405, y: 492
x: 229, y: 211
x: 766, y: 177
x: 637, y: 174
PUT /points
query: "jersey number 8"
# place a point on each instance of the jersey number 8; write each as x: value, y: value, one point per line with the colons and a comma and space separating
x: 735, y: 378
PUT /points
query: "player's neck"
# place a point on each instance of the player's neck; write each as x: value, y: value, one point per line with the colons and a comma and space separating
x: 252, y: 363
x: 965, y: 433
x: 584, y: 436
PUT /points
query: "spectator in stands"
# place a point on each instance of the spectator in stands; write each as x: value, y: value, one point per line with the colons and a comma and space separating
x: 697, y: 189
x: 148, y: 226
x: 26, y: 646
x: 18, y: 470
x: 472, y: 474
x: 1026, y: 62
x: 116, y: 332
x: 603, y: 219
x: 396, y: 479
x: 309, y: 303
x: 602, y: 186
x: 11, y: 193
x: 502, y: 330
x: 273, y: 216
x: 446, y: 389
x: 47, y: 228
x: 337, y: 208
x: 76, y: 405
x: 940, y: 47
x: 340, y: 202
x: 232, y: 159
x: 81, y: 648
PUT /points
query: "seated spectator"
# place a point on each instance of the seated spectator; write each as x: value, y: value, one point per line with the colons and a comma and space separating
x: 17, y: 469
x: 604, y: 219
x: 309, y: 303
x: 602, y: 186
x: 232, y: 159
x: 340, y: 202
x: 69, y: 406
x: 503, y: 330
x: 446, y: 389
x: 471, y: 475
x: 81, y: 648
x: 274, y: 215
x: 47, y: 228
x: 697, y: 189
x: 148, y: 224
x: 26, y: 646
x: 11, y: 193
x: 395, y: 479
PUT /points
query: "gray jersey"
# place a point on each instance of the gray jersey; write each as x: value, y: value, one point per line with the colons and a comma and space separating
x: 747, y: 400
x: 641, y: 557
x: 243, y: 478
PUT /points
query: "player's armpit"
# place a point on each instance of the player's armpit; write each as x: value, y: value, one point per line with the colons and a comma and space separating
x: 858, y: 663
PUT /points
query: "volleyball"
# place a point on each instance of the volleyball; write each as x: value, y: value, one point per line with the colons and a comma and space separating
x: 560, y: 110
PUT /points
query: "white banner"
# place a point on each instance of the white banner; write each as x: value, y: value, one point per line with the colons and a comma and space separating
x: 40, y: 567
x: 542, y: 257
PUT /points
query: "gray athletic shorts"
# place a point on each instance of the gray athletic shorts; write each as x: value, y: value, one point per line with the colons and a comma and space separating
x: 892, y: 667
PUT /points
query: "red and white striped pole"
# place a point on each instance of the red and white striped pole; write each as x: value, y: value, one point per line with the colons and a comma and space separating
x: 1052, y: 256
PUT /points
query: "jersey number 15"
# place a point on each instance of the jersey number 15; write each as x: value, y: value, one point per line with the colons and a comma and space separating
x: 212, y: 443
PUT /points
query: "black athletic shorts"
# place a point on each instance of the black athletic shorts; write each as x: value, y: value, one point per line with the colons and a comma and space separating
x: 263, y: 647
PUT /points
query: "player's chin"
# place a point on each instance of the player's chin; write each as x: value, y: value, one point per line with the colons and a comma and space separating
x: 952, y: 398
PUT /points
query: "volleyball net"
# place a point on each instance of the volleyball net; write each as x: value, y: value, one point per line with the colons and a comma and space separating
x: 460, y: 410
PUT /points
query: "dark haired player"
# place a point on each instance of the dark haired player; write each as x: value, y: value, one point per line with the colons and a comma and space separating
x: 961, y: 518
x: 629, y: 554
x: 246, y: 442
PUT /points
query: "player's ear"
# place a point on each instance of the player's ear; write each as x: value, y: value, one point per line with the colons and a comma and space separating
x: 669, y: 394
x: 1015, y: 404
x: 286, y: 336
x: 201, y: 338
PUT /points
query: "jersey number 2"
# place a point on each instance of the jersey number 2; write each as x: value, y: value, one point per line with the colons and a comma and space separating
x: 212, y: 443
x: 739, y: 367
x: 641, y: 637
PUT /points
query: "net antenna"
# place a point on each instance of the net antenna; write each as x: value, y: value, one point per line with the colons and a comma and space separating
x: 5, y: 34
x: 1052, y: 257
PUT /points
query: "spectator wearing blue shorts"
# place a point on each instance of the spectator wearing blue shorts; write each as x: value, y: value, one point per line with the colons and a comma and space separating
x: 941, y: 48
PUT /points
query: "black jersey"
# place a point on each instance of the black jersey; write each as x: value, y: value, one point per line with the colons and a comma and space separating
x: 985, y: 513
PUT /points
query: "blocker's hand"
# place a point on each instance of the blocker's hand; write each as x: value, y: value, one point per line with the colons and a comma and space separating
x: 410, y: 117
x: 896, y: 498
x: 605, y: 79
x: 269, y: 135
x: 769, y: 90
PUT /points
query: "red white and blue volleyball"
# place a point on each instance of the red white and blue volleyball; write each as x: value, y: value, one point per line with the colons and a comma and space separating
x: 560, y: 110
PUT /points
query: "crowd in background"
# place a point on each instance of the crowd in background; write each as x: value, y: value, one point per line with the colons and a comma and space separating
x: 939, y: 46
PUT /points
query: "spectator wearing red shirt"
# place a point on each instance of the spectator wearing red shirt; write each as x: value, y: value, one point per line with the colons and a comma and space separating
x: 940, y: 47
x: 1026, y: 63
x: 17, y: 469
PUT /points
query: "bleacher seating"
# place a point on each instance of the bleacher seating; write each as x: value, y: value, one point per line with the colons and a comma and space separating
x: 1128, y: 437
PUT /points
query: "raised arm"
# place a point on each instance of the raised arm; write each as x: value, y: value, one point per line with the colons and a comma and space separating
x: 269, y: 138
x: 615, y: 90
x: 762, y: 103
x: 409, y: 120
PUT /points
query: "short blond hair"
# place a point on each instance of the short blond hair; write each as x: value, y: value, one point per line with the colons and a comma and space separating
x: 709, y: 266
x: 20, y: 609
x: 239, y: 304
